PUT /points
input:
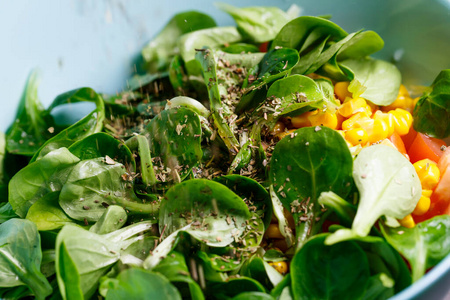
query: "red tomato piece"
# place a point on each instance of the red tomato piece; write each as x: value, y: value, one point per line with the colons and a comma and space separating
x: 398, y: 143
x: 424, y: 146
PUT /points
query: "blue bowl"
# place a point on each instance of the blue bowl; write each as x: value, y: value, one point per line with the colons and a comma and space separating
x: 95, y: 43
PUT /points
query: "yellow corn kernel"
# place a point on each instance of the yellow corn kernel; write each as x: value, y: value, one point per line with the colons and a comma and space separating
x: 403, y: 100
x: 322, y: 118
x: 378, y: 132
x: 351, y: 106
x: 428, y: 173
x: 427, y: 193
x: 302, y: 120
x: 341, y: 90
x: 355, y: 121
x: 273, y: 232
x: 388, y: 120
x: 403, y: 91
x: 284, y: 133
x: 356, y: 136
x: 278, y: 128
x: 342, y: 133
x: 422, y: 206
x: 402, y: 121
x: 280, y: 266
x: 407, y: 221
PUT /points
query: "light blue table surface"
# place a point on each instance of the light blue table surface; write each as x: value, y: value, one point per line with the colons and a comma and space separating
x: 91, y: 43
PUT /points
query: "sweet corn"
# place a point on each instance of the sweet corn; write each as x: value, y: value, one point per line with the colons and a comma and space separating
x: 324, y: 118
x: 352, y: 106
x: 422, y: 206
x: 356, y: 136
x: 403, y: 100
x: 302, y: 120
x: 407, y: 221
x: 341, y: 90
x: 388, y: 120
x: 428, y: 173
x: 278, y: 128
x: 280, y: 266
x: 377, y: 130
x: 342, y: 133
x: 402, y: 121
x: 273, y: 232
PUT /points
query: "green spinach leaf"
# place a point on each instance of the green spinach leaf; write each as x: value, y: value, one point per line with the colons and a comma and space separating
x: 259, y: 24
x: 432, y: 112
x: 159, y: 51
x: 424, y: 245
x: 317, y: 272
x: 311, y: 161
x: 30, y: 129
x: 21, y: 256
x: 39, y: 178
x: 88, y: 125
x: 137, y: 284
x: 217, y: 215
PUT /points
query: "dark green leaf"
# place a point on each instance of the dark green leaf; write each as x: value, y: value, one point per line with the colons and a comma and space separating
x: 30, y: 128
x: 216, y: 214
x: 137, y: 284
x: 39, y: 178
x: 432, y: 112
x: 317, y: 272
x: 159, y: 51
x: 21, y: 256
x: 259, y: 24
x: 313, y: 161
x: 424, y: 245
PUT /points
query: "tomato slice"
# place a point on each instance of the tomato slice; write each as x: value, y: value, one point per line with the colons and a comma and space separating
x: 398, y: 143
x: 408, y: 139
x: 424, y: 146
x: 263, y: 46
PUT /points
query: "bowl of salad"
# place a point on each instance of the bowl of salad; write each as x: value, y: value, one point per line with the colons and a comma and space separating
x: 277, y: 150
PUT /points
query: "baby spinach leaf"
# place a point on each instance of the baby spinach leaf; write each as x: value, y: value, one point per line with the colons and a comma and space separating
x: 233, y: 287
x: 312, y: 161
x: 47, y: 214
x: 380, y: 78
x: 362, y: 45
x: 379, y: 286
x: 275, y: 64
x: 388, y: 186
x: 239, y: 48
x: 317, y: 272
x: 159, y: 51
x: 253, y: 296
x: 212, y: 37
x: 82, y: 257
x: 6, y: 212
x: 88, y: 125
x: 112, y: 219
x: 30, y: 129
x: 216, y: 214
x: 39, y: 178
x: 432, y: 112
x: 175, y: 137
x: 259, y: 24
x: 137, y: 283
x: 293, y: 94
x: 424, y: 245
x: 254, y: 194
x: 21, y: 256
x: 305, y: 31
x: 178, y: 77
x: 174, y: 268
x: 101, y: 145
x: 94, y: 184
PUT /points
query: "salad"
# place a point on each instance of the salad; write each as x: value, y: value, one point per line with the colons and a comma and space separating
x: 274, y: 159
